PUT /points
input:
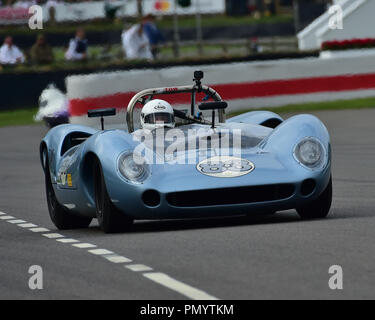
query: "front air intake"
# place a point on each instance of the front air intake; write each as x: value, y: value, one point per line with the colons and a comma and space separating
x: 231, y: 196
x: 151, y: 198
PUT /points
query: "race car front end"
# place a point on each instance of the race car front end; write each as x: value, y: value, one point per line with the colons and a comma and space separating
x: 183, y: 191
x: 281, y: 169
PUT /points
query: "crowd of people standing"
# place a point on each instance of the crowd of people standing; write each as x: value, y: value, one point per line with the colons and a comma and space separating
x: 139, y: 41
x: 142, y: 40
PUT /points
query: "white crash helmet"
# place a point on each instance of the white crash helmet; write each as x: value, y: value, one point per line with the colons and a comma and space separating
x: 157, y: 114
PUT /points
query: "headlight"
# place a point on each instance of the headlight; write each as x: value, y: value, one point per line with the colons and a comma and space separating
x: 133, y: 167
x: 310, y: 153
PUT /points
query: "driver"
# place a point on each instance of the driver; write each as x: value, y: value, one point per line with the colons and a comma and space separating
x: 157, y: 114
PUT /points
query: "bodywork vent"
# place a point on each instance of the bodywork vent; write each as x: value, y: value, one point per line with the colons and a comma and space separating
x: 231, y: 196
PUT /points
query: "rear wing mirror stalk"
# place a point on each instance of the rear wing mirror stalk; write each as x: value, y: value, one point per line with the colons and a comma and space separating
x: 101, y: 113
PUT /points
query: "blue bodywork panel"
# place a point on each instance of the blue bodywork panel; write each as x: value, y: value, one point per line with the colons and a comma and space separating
x: 274, y: 184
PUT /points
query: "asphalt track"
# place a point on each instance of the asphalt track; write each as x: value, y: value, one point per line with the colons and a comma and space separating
x: 273, y: 257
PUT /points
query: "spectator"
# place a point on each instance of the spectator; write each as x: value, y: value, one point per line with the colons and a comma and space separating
x: 25, y: 4
x: 41, y: 52
x: 51, y: 6
x: 111, y: 8
x: 77, y: 50
x: 155, y: 37
x: 135, y: 43
x: 9, y: 53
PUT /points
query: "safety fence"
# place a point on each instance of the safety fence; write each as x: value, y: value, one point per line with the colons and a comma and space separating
x: 244, y: 85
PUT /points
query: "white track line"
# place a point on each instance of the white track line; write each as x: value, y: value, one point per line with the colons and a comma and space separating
x: 158, y: 277
x: 100, y: 252
x: 64, y: 240
x: 84, y: 245
x: 18, y: 221
x: 7, y: 218
x: 114, y: 258
x: 138, y: 268
x: 178, y: 286
x: 27, y: 225
x: 53, y: 235
x: 39, y: 230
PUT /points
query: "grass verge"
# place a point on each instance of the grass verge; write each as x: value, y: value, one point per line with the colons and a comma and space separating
x: 318, y: 106
x: 25, y: 116
x: 166, y: 22
x: 17, y: 117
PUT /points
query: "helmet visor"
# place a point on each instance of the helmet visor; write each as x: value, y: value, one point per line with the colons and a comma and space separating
x: 159, y: 118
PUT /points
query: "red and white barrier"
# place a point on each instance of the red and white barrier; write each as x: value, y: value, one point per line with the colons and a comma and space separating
x: 244, y: 85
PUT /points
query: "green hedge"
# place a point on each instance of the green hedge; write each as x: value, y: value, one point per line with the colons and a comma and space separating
x: 102, y: 25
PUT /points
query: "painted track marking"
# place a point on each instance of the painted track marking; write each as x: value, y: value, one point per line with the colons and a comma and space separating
x: 27, y: 225
x: 178, y: 286
x: 67, y: 240
x: 18, y: 221
x: 53, y: 235
x: 157, y: 277
x: 39, y: 230
x: 6, y: 218
x: 114, y: 258
x: 100, y: 252
x: 84, y: 245
x: 138, y: 268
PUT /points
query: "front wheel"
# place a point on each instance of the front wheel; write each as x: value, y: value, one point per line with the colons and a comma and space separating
x: 111, y: 220
x: 319, y: 208
x: 61, y: 217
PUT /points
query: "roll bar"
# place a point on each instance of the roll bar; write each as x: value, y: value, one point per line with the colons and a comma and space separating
x: 211, y: 93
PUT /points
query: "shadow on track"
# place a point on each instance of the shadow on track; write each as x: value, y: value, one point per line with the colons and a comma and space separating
x: 155, y: 226
x: 206, y: 223
x: 226, y: 222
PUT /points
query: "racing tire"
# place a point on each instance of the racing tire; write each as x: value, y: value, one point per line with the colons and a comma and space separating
x: 320, y: 207
x: 111, y: 220
x: 61, y: 217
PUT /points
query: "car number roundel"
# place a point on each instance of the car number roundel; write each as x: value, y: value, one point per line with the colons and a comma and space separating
x: 225, y: 167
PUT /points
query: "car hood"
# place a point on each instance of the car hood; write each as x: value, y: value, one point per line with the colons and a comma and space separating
x: 268, y: 169
x: 198, y: 142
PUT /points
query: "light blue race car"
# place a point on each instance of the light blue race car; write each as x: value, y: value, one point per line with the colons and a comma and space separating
x: 254, y: 163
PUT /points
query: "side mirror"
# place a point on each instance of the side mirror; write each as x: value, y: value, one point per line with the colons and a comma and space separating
x: 101, y: 113
x: 217, y: 105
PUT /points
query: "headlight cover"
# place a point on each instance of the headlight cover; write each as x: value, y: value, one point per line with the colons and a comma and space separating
x: 310, y: 153
x: 133, y: 167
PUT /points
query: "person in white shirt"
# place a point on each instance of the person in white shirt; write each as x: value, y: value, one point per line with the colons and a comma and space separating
x: 25, y: 4
x: 136, y: 44
x: 9, y: 53
x: 77, y: 47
